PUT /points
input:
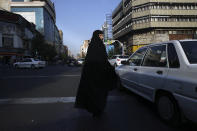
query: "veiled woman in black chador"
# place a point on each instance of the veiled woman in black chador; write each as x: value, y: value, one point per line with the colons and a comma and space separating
x: 97, y: 79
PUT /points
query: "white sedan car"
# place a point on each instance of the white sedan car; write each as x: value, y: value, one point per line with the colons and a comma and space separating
x: 30, y: 63
x: 165, y: 74
x: 80, y: 61
x: 116, y: 60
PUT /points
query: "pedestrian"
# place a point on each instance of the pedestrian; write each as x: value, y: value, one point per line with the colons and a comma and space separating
x: 97, y: 79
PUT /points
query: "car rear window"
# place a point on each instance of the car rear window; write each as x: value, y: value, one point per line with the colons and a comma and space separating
x: 190, y: 49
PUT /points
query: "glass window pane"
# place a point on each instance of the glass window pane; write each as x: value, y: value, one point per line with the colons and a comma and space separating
x: 136, y: 59
x: 156, y: 57
x: 190, y: 49
x: 173, y: 57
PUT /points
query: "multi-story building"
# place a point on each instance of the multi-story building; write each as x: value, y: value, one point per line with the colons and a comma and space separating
x: 84, y: 48
x: 16, y: 34
x: 107, y: 28
x: 140, y: 22
x: 105, y: 31
x: 62, y: 46
x: 41, y: 13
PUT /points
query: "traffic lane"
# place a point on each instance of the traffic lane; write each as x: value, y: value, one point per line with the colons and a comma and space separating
x: 48, y: 70
x: 130, y: 113
x: 39, y: 86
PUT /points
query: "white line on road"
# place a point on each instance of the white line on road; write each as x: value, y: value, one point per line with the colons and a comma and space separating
x: 44, y: 76
x: 51, y: 100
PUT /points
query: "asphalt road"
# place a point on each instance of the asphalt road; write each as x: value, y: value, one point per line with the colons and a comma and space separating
x: 42, y: 100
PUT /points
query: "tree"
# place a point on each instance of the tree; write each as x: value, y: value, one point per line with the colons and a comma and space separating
x: 41, y: 49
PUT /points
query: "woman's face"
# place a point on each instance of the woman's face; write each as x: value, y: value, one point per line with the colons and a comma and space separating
x: 101, y: 36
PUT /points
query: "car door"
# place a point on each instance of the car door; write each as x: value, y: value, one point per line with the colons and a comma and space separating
x: 29, y: 62
x: 22, y: 63
x: 129, y: 74
x: 153, y: 71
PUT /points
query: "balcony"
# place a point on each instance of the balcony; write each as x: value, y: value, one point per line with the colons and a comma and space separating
x: 127, y: 19
x: 118, y: 17
x: 122, y: 33
x: 117, y: 9
x: 140, y: 2
x: 163, y: 12
x: 127, y: 8
x: 165, y: 25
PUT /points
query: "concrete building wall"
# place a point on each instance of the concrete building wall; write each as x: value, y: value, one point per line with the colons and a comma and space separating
x: 148, y: 38
x: 5, y: 4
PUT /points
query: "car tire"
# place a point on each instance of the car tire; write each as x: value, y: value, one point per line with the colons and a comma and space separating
x: 168, y: 109
x: 33, y: 67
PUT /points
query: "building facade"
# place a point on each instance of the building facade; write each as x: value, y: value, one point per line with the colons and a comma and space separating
x: 141, y: 22
x: 16, y: 34
x: 84, y: 48
x: 41, y: 13
x: 62, y: 46
x: 5, y: 4
x: 107, y: 28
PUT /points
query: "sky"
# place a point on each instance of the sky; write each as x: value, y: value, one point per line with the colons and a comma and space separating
x: 79, y: 18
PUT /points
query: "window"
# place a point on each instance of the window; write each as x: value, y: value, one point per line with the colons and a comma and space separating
x: 173, y: 57
x: 137, y: 58
x: 190, y: 49
x: 156, y: 57
x: 7, y: 41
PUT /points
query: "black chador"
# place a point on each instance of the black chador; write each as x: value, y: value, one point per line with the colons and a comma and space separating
x: 97, y: 79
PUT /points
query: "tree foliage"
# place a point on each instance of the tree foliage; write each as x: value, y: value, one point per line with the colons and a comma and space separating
x: 41, y: 49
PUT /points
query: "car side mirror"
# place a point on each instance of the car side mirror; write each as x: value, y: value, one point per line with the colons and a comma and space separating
x: 125, y: 62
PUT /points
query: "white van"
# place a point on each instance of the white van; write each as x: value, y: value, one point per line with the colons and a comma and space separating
x: 166, y: 74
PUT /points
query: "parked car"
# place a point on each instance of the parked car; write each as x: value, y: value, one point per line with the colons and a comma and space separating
x: 80, y: 61
x: 116, y: 60
x: 30, y: 63
x: 165, y: 74
x: 72, y: 62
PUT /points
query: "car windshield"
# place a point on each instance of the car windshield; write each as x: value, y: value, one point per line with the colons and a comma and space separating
x: 190, y: 49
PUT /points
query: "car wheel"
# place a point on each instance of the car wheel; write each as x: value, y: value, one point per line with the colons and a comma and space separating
x: 168, y: 109
x: 32, y: 66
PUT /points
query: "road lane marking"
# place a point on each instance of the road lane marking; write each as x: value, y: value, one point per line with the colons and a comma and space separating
x: 42, y: 76
x: 51, y: 100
